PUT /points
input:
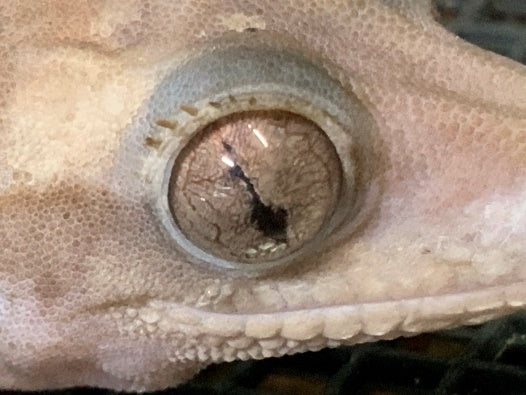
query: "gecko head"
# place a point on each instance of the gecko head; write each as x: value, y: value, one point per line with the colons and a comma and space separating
x: 190, y: 183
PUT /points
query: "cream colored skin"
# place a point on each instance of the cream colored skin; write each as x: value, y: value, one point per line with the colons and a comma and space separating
x: 92, y: 291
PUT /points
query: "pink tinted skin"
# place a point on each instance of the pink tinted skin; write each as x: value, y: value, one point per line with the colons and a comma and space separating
x: 92, y: 289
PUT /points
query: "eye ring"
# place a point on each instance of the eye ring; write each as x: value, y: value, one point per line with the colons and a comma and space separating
x: 311, y: 94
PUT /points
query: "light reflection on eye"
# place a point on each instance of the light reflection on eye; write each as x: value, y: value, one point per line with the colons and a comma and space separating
x: 260, y: 137
x: 227, y: 161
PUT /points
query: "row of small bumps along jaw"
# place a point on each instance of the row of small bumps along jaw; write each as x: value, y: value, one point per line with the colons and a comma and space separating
x: 278, y: 81
x: 228, y: 337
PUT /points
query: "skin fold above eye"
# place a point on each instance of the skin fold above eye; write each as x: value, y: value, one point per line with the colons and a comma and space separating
x: 93, y: 290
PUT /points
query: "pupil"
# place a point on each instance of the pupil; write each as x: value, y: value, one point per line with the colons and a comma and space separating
x: 272, y: 222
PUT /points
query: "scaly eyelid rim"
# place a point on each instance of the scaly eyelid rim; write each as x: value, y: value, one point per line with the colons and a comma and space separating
x: 257, y: 78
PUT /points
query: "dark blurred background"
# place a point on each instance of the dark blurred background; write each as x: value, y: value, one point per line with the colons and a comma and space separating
x: 497, y: 25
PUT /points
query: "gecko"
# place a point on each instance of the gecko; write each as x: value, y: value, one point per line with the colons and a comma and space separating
x: 95, y: 291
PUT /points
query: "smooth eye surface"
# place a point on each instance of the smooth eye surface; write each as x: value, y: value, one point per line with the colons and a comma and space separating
x: 255, y: 186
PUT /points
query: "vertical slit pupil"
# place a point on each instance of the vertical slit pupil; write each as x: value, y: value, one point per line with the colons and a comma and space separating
x: 272, y: 222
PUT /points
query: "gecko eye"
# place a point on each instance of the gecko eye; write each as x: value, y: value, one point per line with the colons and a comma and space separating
x: 255, y: 186
x: 258, y: 156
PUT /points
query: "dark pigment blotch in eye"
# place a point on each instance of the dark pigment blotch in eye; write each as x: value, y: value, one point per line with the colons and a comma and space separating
x: 272, y: 222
